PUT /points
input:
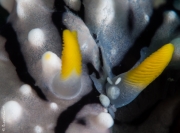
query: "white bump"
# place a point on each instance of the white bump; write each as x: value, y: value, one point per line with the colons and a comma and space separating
x: 12, y: 112
x: 113, y: 52
x: 171, y: 16
x: 51, y: 64
x: 20, y: 11
x: 50, y: 60
x: 113, y: 92
x: 146, y: 17
x: 25, y: 89
x: 36, y: 37
x: 109, y: 80
x: 38, y: 129
x: 105, y: 120
x: 118, y: 81
x: 105, y: 13
x: 104, y: 100
x: 54, y: 106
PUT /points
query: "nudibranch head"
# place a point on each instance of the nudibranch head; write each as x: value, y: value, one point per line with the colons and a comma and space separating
x: 71, y: 55
x: 137, y: 79
x: 112, y: 90
x: 66, y: 84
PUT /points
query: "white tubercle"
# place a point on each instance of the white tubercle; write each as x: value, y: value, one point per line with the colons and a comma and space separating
x: 38, y: 129
x: 170, y: 16
x: 11, y: 111
x: 53, y: 106
x: 104, y: 100
x: 20, y: 11
x: 24, y: 7
x: 146, y: 17
x: 104, y: 120
x: 36, y: 37
x: 25, y: 89
x: 51, y: 64
x: 113, y: 92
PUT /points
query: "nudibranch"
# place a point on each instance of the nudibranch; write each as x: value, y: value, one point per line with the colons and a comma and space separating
x: 125, y: 87
x: 66, y: 84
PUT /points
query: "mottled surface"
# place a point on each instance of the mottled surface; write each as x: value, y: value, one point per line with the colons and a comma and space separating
x: 111, y: 35
x: 116, y: 25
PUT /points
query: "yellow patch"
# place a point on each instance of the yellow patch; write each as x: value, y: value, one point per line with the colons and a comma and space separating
x: 141, y: 76
x: 71, y: 55
x: 47, y: 56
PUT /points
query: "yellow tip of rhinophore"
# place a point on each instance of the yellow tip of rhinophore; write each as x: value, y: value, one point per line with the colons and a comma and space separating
x: 71, y: 55
x: 150, y: 68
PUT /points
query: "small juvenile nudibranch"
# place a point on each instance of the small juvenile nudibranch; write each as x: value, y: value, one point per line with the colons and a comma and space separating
x: 134, y: 81
x: 66, y: 84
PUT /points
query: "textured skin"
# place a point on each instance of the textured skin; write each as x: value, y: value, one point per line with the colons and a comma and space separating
x: 111, y: 26
x: 114, y: 27
x: 36, y: 114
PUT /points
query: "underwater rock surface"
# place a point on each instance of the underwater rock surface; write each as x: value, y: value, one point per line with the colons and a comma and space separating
x: 70, y: 66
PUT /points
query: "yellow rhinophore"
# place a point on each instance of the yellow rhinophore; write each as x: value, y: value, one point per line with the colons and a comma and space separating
x: 71, y: 55
x: 150, y: 68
